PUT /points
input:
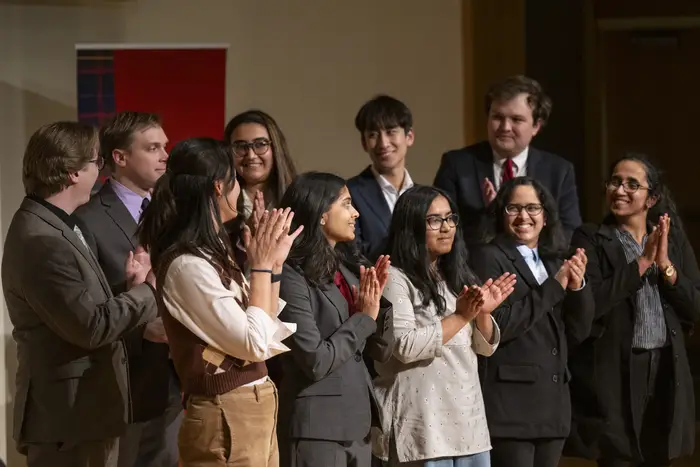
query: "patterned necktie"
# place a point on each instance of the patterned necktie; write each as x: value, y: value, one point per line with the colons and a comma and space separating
x: 508, y: 171
x: 144, y: 205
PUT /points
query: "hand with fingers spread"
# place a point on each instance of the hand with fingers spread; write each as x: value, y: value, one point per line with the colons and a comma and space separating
x: 366, y: 299
x: 469, y: 302
x: 269, y: 246
x: 496, y: 291
x: 488, y: 190
x: 577, y: 269
x: 381, y: 268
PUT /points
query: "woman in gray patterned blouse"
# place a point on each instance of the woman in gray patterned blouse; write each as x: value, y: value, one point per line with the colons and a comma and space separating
x: 428, y: 392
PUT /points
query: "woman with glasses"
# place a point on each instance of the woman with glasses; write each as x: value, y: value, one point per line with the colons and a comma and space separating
x: 632, y: 391
x: 429, y: 395
x: 526, y: 383
x: 261, y: 157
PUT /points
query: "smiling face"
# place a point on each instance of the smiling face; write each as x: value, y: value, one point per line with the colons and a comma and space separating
x: 387, y: 147
x: 439, y: 241
x: 338, y: 223
x: 622, y: 203
x: 524, y: 216
x: 253, y: 158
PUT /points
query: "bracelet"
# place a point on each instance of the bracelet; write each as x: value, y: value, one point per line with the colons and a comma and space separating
x: 269, y: 271
x: 276, y: 278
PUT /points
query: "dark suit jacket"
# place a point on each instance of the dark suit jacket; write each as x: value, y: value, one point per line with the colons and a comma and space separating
x: 602, y: 422
x: 110, y: 232
x: 71, y: 377
x: 326, y: 390
x: 372, y: 227
x: 462, y: 172
x: 525, y: 382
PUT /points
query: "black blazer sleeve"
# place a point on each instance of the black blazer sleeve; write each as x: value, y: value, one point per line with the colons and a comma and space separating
x: 578, y: 313
x: 516, y: 317
x: 446, y: 177
x: 317, y: 356
x: 684, y: 296
x: 378, y: 347
x: 610, y: 290
x: 569, y: 210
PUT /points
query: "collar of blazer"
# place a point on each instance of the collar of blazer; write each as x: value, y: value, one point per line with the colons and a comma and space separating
x: 336, y: 298
x: 372, y: 194
x: 116, y: 210
x: 50, y: 218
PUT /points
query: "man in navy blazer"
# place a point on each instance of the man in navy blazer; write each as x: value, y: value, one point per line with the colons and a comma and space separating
x: 517, y: 110
x: 386, y: 130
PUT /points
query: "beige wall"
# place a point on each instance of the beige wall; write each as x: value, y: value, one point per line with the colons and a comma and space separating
x: 310, y: 63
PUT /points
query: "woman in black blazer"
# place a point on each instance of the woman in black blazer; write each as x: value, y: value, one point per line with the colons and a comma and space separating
x: 632, y: 391
x: 525, y: 383
x: 333, y: 295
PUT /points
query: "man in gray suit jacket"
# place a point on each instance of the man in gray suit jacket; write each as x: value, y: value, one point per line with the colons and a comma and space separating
x: 133, y: 147
x: 72, y: 395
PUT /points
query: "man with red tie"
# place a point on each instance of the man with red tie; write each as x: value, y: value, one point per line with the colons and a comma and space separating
x: 517, y: 109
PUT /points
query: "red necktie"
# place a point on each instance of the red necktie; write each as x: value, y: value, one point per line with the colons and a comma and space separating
x: 507, y: 171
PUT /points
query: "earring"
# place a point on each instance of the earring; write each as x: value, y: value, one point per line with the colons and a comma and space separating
x: 323, y: 222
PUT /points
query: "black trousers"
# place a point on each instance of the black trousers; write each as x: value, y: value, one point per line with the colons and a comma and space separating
x: 508, y: 452
x: 651, y: 378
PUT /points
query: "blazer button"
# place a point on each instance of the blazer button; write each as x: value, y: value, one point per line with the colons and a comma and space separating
x: 555, y: 351
x: 673, y: 332
x: 358, y: 358
x: 555, y: 378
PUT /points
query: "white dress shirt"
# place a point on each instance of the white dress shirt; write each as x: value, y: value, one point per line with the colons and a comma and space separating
x: 194, y: 295
x: 391, y: 194
x: 534, y: 262
x: 519, y: 167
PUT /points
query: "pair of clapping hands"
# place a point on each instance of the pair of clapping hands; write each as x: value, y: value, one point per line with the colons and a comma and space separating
x: 267, y: 241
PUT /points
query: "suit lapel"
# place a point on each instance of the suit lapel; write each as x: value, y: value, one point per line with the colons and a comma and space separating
x: 333, y: 294
x: 373, y: 196
x: 509, y: 248
x: 68, y: 233
x: 118, y: 213
x: 483, y: 167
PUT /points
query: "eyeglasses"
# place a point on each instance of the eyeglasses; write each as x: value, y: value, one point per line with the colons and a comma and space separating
x: 531, y: 209
x: 435, y: 222
x: 259, y: 147
x: 99, y: 162
x: 628, y: 186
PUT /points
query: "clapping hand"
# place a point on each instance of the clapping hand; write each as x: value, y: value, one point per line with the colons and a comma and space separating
x: 366, y: 299
x: 488, y: 190
x: 258, y: 211
x: 469, y: 302
x: 138, y: 268
x: 576, y: 267
x: 269, y: 246
x: 496, y: 291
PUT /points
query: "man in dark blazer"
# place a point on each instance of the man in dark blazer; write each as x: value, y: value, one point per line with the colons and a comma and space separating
x: 133, y: 146
x: 72, y: 398
x: 386, y: 131
x: 517, y: 110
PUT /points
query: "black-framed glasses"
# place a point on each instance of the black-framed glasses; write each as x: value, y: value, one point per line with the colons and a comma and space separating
x: 259, y: 147
x: 99, y: 162
x: 629, y: 186
x: 531, y: 209
x: 435, y: 222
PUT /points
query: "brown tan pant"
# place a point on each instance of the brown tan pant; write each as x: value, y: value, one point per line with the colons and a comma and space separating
x: 234, y: 429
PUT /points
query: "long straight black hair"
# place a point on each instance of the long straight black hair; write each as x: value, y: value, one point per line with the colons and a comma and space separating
x: 183, y: 214
x: 552, y: 242
x: 310, y: 196
x: 409, y: 252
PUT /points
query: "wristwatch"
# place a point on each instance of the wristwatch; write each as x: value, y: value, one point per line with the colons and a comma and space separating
x: 669, y: 271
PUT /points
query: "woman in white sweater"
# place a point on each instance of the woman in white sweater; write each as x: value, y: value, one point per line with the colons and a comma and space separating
x: 429, y: 393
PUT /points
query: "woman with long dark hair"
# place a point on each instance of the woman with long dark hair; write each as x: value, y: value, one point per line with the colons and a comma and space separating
x: 334, y: 296
x: 525, y: 383
x: 431, y: 405
x: 632, y: 391
x: 221, y: 328
x: 261, y: 157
